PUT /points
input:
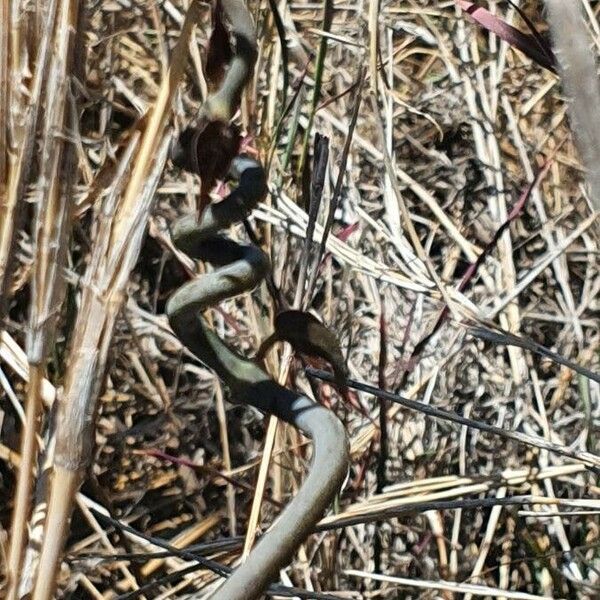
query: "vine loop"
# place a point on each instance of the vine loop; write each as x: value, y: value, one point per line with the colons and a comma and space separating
x: 210, y: 150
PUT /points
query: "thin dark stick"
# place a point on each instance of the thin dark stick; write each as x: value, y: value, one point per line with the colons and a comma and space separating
x: 591, y: 461
x: 320, y: 159
x: 509, y: 339
x: 421, y: 507
x: 211, y: 565
x: 335, y: 198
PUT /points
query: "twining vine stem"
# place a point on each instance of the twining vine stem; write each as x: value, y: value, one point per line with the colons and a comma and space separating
x: 210, y: 149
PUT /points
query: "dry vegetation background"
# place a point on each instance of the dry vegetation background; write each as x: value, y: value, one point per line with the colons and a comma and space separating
x: 467, y: 123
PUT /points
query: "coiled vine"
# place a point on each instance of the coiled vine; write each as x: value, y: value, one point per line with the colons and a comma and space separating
x: 210, y: 149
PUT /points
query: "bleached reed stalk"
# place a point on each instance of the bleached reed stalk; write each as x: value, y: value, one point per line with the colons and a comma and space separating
x: 4, y: 92
x: 53, y: 195
x: 119, y: 233
x: 19, y: 114
x: 579, y: 79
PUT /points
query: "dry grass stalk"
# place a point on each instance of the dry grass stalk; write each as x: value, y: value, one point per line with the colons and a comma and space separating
x: 4, y: 91
x: 21, y: 117
x: 448, y: 586
x: 103, y: 290
x: 120, y: 231
x: 54, y: 201
x: 13, y: 355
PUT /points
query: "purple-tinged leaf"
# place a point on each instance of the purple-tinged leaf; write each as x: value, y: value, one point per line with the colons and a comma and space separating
x: 531, y: 45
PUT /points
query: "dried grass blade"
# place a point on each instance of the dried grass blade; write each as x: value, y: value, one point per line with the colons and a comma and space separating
x: 320, y: 160
x: 419, y: 504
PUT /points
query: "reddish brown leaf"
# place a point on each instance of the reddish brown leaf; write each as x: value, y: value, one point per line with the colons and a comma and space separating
x: 308, y: 335
x: 219, y: 50
x: 207, y: 150
x: 530, y: 45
